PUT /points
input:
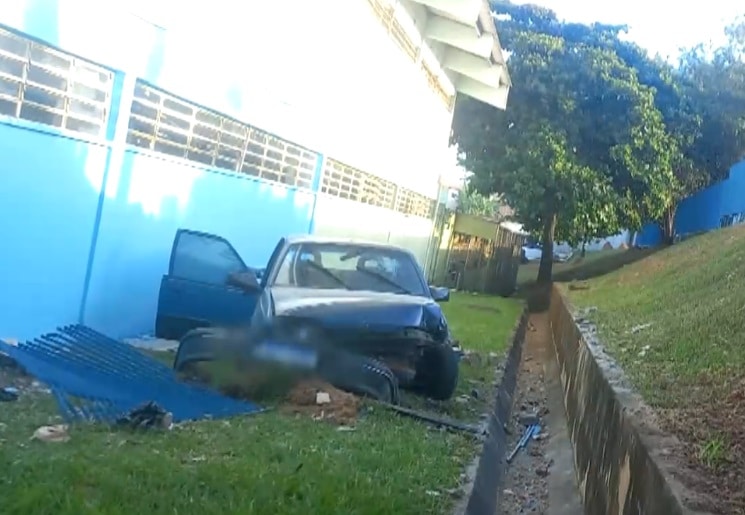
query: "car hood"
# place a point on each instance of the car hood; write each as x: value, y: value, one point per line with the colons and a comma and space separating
x: 360, y: 309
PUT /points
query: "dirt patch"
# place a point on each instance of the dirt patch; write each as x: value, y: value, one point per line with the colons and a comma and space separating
x: 714, y: 432
x: 14, y: 377
x: 240, y: 379
x: 526, y: 482
x: 340, y: 409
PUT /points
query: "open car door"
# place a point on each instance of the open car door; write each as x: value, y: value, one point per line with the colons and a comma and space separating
x: 198, y: 290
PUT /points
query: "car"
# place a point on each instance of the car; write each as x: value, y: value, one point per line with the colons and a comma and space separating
x: 532, y: 252
x: 325, y: 301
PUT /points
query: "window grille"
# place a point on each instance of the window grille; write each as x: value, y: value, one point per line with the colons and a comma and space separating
x: 436, y: 86
x: 344, y: 181
x: 385, y: 12
x: 415, y: 204
x: 44, y: 85
x: 167, y: 124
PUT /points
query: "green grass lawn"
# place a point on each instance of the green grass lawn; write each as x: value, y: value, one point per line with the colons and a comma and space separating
x: 592, y: 265
x: 264, y: 464
x: 675, y: 320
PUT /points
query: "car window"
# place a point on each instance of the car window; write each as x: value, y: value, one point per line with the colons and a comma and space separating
x: 333, y: 260
x: 205, y: 258
x: 350, y: 266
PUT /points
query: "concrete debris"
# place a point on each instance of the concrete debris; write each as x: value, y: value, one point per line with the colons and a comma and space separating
x: 57, y: 433
x: 322, y: 398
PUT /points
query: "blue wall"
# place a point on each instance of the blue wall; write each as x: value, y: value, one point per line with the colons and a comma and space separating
x: 87, y: 223
x: 48, y: 204
x: 147, y: 201
x: 704, y: 210
x: 87, y: 237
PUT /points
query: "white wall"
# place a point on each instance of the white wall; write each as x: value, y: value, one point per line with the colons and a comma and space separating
x: 324, y: 74
x: 616, y: 241
x: 327, y: 75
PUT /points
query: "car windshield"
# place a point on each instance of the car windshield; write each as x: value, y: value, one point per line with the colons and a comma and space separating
x: 350, y: 266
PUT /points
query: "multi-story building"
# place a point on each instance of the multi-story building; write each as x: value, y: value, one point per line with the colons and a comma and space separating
x: 123, y: 121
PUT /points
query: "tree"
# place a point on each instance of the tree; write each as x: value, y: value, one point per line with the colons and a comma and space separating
x: 581, y: 147
x: 716, y: 88
x: 471, y: 202
x: 702, y: 102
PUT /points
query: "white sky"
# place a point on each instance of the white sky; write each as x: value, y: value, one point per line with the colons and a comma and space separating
x: 662, y: 26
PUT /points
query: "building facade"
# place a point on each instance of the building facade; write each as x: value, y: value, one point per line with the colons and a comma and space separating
x: 121, y: 122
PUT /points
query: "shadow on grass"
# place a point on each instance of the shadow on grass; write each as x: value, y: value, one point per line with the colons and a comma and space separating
x: 603, y: 264
x: 578, y: 269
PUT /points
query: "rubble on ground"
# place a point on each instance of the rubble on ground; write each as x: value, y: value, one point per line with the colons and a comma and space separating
x: 322, y: 401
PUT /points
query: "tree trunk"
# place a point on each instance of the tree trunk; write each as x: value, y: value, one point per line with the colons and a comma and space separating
x: 547, y: 256
x: 668, y: 226
x: 584, y: 249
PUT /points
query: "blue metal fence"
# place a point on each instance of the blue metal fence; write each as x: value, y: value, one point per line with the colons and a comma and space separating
x: 96, y: 378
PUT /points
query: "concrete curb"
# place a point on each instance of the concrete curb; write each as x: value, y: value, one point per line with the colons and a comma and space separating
x: 622, y: 461
x: 485, y: 495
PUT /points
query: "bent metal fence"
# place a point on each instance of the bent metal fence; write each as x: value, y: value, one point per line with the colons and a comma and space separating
x: 96, y: 378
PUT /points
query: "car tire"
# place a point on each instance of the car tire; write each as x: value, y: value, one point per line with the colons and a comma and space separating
x: 437, y: 372
x: 359, y: 374
x: 198, y: 345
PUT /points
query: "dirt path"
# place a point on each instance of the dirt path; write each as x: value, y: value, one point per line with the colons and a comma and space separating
x: 541, y: 478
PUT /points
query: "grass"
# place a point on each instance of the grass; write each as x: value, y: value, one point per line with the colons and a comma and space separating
x: 675, y: 321
x: 692, y: 296
x: 577, y: 268
x: 267, y: 463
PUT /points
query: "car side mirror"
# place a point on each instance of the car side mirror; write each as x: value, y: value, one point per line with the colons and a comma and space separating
x: 440, y: 293
x: 246, y: 281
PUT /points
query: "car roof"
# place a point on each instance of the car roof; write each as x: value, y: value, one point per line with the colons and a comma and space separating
x: 312, y: 238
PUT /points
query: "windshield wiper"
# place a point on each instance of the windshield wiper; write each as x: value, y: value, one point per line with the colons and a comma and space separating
x: 386, y: 280
x: 325, y: 271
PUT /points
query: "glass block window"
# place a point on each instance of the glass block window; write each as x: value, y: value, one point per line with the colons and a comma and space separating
x: 41, y: 84
x: 167, y: 124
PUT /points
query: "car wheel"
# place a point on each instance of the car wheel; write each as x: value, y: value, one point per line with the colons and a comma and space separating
x: 437, y: 372
x: 359, y: 374
x: 204, y: 344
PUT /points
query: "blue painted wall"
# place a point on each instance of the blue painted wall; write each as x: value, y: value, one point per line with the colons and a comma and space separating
x: 87, y: 225
x: 147, y: 200
x: 49, y: 189
x: 704, y: 210
x: 48, y: 204
x: 699, y: 212
x: 733, y: 191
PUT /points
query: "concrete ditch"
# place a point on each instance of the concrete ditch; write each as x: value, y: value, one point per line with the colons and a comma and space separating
x: 485, y: 495
x: 624, y: 463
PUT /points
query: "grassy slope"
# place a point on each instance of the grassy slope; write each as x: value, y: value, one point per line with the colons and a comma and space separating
x: 693, y: 297
x: 268, y: 463
x: 675, y: 320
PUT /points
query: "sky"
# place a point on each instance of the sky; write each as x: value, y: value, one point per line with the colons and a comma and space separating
x: 660, y: 26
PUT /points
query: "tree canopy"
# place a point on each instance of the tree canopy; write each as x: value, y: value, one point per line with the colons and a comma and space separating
x: 598, y: 136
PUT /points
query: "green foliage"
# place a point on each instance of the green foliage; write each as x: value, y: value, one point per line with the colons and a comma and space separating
x: 579, y: 138
x: 472, y: 202
x: 598, y: 135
